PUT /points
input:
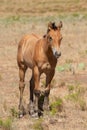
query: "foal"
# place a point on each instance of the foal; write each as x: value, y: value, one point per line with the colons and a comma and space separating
x: 41, y: 56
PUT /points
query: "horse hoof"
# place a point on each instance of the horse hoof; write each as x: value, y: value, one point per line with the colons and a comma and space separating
x: 20, y: 115
x: 35, y: 115
x: 31, y: 113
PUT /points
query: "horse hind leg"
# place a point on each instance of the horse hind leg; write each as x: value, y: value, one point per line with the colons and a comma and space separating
x: 21, y: 89
x: 36, y: 92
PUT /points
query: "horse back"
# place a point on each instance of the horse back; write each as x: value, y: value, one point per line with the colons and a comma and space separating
x: 26, y: 49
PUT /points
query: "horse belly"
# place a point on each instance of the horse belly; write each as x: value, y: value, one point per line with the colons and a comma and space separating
x: 28, y: 55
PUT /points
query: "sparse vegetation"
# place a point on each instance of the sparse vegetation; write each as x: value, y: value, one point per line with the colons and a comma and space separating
x: 38, y: 125
x: 64, y: 67
x: 76, y: 94
x: 75, y: 15
x: 43, y: 83
x: 70, y: 88
x: 56, y: 106
x: 14, y: 112
x: 73, y: 96
x: 81, y: 66
x: 1, y: 123
x: 68, y: 66
x: 82, y: 104
x: 6, y: 124
x: 68, y: 61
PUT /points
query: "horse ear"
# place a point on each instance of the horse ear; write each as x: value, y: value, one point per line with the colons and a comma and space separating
x: 49, y: 26
x: 60, y: 25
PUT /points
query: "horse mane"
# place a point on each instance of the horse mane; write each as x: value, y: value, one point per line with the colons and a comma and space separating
x: 52, y: 26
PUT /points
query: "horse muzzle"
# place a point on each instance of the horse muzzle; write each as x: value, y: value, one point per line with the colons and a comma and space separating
x: 56, y: 53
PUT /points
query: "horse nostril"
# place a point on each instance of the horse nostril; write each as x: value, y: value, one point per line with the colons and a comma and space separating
x: 57, y: 54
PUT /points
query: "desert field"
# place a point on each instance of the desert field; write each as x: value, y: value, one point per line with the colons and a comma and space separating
x: 68, y: 97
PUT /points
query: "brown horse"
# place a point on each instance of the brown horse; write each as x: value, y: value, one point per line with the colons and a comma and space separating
x: 40, y: 55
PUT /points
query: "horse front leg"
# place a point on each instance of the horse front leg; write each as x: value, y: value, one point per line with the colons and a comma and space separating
x: 49, y: 77
x: 36, y: 89
x: 21, y: 88
x: 31, y: 103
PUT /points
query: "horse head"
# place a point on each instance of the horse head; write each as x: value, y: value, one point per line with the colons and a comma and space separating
x: 54, y: 38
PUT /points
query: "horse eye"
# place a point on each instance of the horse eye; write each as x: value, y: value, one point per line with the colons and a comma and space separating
x: 50, y: 39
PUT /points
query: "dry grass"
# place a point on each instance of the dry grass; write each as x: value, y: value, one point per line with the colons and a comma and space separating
x: 18, y: 18
x: 76, y: 95
x: 34, y: 7
x: 6, y: 124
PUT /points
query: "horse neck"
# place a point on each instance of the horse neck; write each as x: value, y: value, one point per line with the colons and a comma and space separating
x: 45, y: 45
x: 47, y: 49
